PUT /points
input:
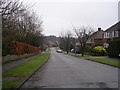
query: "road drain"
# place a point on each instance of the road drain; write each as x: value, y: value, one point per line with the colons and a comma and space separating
x: 103, y: 85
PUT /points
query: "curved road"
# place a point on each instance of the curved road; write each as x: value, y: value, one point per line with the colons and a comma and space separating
x: 64, y: 71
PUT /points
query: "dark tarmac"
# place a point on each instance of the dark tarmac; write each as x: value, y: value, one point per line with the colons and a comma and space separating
x: 64, y: 71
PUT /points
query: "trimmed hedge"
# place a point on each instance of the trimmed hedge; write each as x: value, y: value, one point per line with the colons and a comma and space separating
x: 114, y: 48
x: 19, y: 48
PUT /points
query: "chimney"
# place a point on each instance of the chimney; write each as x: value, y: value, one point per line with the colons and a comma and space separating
x: 99, y: 29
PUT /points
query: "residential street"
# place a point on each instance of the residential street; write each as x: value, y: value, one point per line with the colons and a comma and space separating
x: 64, y: 71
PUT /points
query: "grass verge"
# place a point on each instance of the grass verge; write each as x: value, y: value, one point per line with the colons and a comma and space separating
x: 23, y: 71
x: 10, y: 84
x: 73, y: 55
x: 109, y: 62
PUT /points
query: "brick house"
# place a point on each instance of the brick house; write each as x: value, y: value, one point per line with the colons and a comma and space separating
x: 101, y: 37
x: 96, y: 38
x: 112, y: 33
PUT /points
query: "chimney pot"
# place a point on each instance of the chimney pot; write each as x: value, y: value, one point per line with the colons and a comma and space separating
x: 99, y: 29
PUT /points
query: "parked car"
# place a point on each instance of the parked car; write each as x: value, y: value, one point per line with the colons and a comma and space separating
x: 59, y: 51
x: 72, y: 50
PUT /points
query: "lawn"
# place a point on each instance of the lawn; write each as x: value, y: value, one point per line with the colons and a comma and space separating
x: 109, y: 62
x: 10, y: 84
x: 23, y: 71
x: 73, y: 55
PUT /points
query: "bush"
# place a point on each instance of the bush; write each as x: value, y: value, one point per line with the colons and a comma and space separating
x: 77, y: 52
x: 114, y: 48
x: 5, y: 49
x: 98, y: 51
x: 43, y: 48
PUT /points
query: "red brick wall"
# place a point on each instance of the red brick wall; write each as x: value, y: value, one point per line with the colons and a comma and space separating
x: 98, y: 41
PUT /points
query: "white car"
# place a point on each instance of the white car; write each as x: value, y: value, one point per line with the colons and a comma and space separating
x: 72, y: 50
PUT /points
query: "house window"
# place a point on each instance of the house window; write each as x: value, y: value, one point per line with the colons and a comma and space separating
x: 113, y: 34
x: 116, y: 33
x: 89, y: 41
x: 104, y: 35
x: 108, y: 35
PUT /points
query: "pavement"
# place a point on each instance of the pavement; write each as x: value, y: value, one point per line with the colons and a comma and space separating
x: 64, y: 71
x: 102, y: 57
x: 9, y: 65
x: 106, y: 58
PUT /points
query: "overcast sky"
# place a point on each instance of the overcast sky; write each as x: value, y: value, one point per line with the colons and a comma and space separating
x: 61, y: 15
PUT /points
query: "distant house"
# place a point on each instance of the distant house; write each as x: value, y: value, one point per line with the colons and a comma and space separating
x: 112, y: 33
x: 101, y: 37
x: 96, y: 38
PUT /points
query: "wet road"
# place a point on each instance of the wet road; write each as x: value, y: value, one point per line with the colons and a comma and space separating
x: 63, y: 71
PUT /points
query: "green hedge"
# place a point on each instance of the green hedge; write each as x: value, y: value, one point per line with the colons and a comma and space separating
x: 114, y: 48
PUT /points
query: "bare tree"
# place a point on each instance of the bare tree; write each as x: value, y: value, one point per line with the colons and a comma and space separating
x: 83, y: 33
x: 62, y: 41
x: 19, y: 23
x: 68, y: 36
x: 65, y: 41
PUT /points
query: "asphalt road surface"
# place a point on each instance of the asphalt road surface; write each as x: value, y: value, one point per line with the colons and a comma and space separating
x: 64, y: 71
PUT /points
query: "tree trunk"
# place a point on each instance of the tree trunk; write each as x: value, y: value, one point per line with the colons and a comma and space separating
x: 82, y: 51
x: 68, y: 43
x: 67, y: 52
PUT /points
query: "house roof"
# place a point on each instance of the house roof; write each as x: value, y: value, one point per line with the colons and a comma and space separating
x: 96, y: 34
x: 115, y: 27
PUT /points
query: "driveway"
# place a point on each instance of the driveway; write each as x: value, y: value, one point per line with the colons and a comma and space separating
x: 64, y: 71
